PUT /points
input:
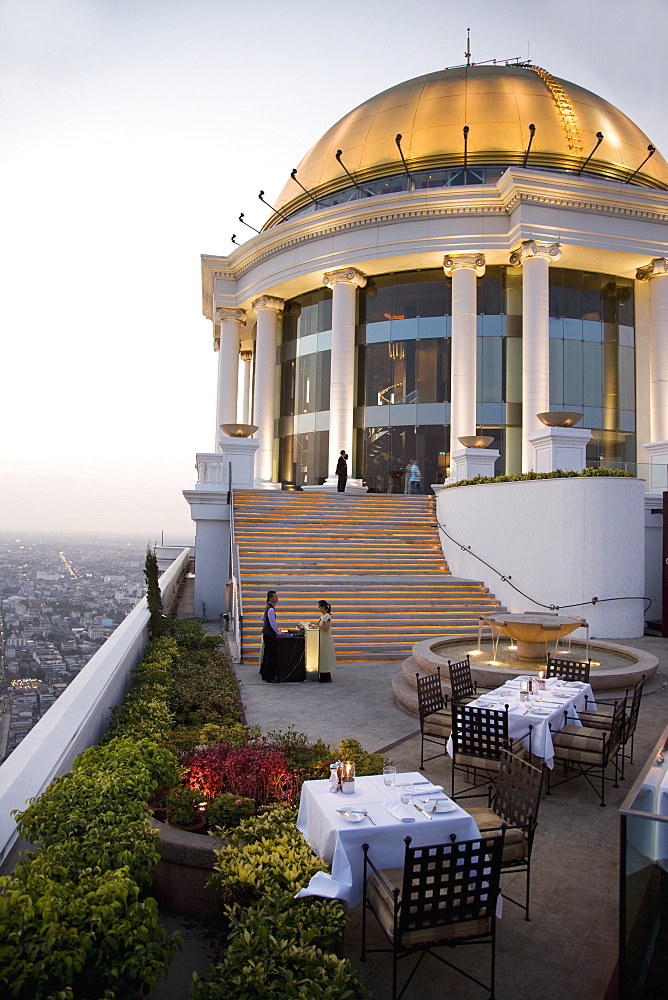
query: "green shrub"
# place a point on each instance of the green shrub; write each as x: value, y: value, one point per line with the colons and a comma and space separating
x: 72, y: 920
x: 228, y: 810
x: 265, y: 854
x: 521, y: 477
x: 278, y: 950
x: 204, y: 689
x: 365, y: 763
x: 182, y: 805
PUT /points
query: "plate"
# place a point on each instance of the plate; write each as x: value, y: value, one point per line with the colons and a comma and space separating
x: 440, y: 805
x: 541, y: 711
x: 351, y: 816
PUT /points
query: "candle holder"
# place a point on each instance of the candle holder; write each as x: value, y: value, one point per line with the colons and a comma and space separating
x: 347, y: 777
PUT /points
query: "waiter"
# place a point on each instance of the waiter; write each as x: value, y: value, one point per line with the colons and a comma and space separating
x: 342, y: 472
x: 270, y: 630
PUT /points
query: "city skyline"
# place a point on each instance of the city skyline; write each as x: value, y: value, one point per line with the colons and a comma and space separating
x: 135, y: 134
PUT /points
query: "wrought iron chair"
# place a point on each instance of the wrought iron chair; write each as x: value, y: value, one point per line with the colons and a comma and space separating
x: 514, y: 801
x: 435, y: 720
x: 444, y: 896
x: 587, y: 752
x: 569, y: 670
x: 462, y: 686
x: 601, y: 718
x: 479, y: 737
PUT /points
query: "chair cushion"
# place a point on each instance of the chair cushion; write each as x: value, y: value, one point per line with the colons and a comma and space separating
x: 438, y: 724
x: 484, y: 763
x: 515, y: 843
x: 383, y: 906
x: 600, y: 718
x: 581, y: 744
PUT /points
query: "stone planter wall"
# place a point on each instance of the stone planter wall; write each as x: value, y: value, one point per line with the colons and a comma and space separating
x: 179, y: 883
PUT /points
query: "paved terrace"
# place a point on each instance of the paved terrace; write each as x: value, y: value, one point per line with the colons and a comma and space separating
x: 568, y: 950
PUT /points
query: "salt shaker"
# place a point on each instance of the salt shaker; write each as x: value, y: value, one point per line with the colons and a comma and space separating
x: 334, y: 777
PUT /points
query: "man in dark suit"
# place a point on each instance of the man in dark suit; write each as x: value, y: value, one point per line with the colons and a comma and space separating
x: 342, y: 472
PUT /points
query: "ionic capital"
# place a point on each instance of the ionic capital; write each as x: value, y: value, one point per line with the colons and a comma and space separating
x: 532, y: 248
x: 655, y: 269
x: 246, y: 355
x: 268, y: 302
x: 224, y: 313
x: 470, y: 261
x: 346, y: 276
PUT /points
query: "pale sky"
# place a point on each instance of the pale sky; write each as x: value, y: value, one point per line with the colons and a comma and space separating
x: 134, y: 132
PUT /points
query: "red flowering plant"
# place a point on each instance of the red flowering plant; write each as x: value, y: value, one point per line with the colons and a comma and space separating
x: 257, y: 771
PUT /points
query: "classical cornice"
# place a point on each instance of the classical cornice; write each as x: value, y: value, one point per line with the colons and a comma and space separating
x: 515, y: 188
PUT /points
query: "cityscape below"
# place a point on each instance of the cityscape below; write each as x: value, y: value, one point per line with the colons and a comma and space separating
x: 61, y: 597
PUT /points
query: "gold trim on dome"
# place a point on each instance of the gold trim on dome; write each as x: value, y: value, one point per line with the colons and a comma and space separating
x: 564, y: 107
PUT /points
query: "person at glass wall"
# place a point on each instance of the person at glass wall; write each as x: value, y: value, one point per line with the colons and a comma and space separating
x: 416, y: 478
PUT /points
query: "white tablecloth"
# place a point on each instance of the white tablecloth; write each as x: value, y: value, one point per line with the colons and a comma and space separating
x: 557, y: 703
x: 337, y: 841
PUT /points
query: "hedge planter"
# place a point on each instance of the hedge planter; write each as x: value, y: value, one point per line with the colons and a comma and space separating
x: 179, y: 882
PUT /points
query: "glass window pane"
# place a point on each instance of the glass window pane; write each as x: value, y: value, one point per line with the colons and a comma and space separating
x: 593, y: 374
x: 573, y: 387
x: 627, y: 396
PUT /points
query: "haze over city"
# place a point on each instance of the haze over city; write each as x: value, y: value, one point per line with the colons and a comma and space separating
x: 136, y: 131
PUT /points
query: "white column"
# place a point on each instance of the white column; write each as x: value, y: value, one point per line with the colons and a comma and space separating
x: 464, y: 268
x: 657, y: 275
x: 228, y: 365
x: 342, y: 375
x: 246, y: 359
x: 267, y: 309
x: 535, y: 261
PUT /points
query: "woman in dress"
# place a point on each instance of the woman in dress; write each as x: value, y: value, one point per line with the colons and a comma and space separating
x: 327, y: 659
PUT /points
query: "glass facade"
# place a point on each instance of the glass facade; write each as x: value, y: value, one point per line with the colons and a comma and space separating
x: 402, y: 391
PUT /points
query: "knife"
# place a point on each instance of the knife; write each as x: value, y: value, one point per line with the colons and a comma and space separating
x: 420, y: 809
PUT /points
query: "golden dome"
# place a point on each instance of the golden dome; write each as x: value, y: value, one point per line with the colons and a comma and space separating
x: 497, y: 103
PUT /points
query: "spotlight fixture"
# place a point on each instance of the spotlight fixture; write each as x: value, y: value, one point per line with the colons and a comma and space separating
x: 293, y: 174
x: 651, y: 150
x: 241, y: 219
x: 599, y: 140
x: 532, y: 132
x: 276, y: 210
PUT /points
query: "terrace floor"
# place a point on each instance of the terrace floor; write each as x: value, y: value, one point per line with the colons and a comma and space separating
x: 568, y: 951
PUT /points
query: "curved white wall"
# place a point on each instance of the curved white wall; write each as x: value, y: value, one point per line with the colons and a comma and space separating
x: 562, y: 541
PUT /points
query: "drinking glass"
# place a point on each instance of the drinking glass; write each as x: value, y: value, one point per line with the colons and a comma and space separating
x: 389, y: 774
x: 406, y: 793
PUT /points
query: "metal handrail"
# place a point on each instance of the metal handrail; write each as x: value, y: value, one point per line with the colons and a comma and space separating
x: 235, y: 612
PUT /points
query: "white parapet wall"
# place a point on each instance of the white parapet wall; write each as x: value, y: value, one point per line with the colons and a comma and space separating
x: 80, y: 716
x: 560, y: 541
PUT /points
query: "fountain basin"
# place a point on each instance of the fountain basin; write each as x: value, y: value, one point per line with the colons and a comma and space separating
x: 533, y: 632
x: 614, y: 667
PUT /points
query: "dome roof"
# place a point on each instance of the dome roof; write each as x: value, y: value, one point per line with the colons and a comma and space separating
x: 497, y: 103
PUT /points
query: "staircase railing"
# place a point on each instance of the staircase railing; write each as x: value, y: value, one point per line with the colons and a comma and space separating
x: 235, y: 609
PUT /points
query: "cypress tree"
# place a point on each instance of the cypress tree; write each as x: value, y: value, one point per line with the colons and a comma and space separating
x: 153, y: 595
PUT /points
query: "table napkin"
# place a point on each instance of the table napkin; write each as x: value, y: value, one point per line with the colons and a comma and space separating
x: 401, y: 812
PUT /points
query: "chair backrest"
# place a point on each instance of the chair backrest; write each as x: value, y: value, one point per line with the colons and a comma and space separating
x: 616, y: 728
x: 430, y: 694
x: 451, y: 883
x: 516, y: 796
x: 570, y: 670
x: 480, y: 732
x: 632, y: 718
x: 461, y: 682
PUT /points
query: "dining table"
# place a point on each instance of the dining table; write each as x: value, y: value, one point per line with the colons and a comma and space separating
x: 545, y: 711
x: 385, y: 822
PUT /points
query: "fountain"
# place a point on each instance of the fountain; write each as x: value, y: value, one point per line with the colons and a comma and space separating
x: 532, y: 631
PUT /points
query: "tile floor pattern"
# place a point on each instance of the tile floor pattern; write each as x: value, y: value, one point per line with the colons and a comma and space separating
x: 568, y: 950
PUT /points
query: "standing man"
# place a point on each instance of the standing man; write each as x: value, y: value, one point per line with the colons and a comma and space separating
x: 270, y: 630
x: 342, y: 472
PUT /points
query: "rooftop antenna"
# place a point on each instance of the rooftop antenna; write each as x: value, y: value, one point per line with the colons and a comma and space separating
x: 468, y: 47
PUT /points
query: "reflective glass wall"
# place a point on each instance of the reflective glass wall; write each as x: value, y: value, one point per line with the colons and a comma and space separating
x: 402, y: 364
